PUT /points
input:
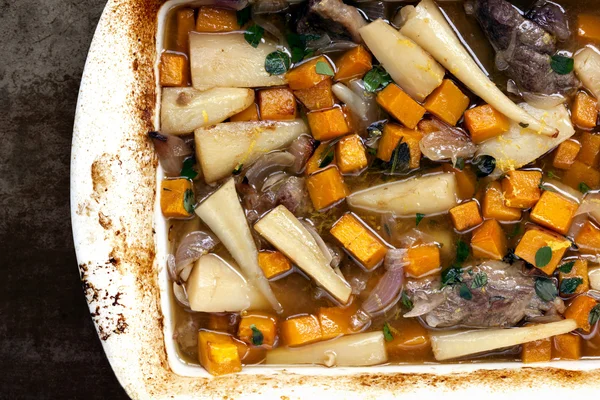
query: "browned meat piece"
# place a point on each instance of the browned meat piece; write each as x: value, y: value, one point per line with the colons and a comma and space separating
x: 552, y: 18
x: 507, y: 298
x: 340, y: 21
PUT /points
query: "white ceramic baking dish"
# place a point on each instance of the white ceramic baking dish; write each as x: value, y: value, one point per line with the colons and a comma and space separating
x: 120, y: 240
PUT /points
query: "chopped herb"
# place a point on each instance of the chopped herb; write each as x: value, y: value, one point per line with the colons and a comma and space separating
x: 297, y: 54
x: 462, y: 251
x: 257, y: 336
x: 376, y: 78
x: 372, y: 151
x: 523, y: 125
x: 543, y: 256
x: 419, y: 218
x: 569, y: 285
x: 400, y: 158
x: 546, y: 289
x: 188, y: 201
x: 388, y: 231
x: 562, y: 65
x: 406, y: 301
x: 510, y: 256
x: 464, y: 292
x: 543, y: 186
x: 298, y: 45
x: 243, y: 15
x: 460, y: 163
x: 452, y: 275
x: 277, y: 63
x: 594, y: 314
x: 516, y: 231
x: 324, y: 68
x: 479, y: 280
x: 327, y: 158
x: 483, y: 165
x: 387, y: 333
x: 238, y: 169
x: 566, y: 267
x: 253, y: 35
x: 188, y: 170
x: 584, y: 188
x: 552, y: 175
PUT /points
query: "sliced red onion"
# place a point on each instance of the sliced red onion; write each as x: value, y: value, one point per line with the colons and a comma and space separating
x: 373, y: 10
x: 511, y: 87
x: 193, y: 246
x: 320, y: 242
x: 354, y: 102
x: 181, y: 295
x: 373, y: 111
x: 268, y: 164
x: 171, y: 268
x: 336, y: 46
x: 544, y: 101
x: 445, y: 142
x: 423, y: 307
x: 268, y: 6
x: 274, y: 182
x: 171, y: 150
x: 576, y: 225
x: 316, y: 44
x: 264, y: 21
x: 590, y: 206
x: 232, y: 4
x: 301, y: 148
x: 292, y: 194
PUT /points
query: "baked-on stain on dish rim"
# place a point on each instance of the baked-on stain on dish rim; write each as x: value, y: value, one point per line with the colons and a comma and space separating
x: 120, y: 248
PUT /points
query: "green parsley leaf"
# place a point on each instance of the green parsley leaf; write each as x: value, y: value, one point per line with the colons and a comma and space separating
x: 243, y: 15
x: 253, y: 35
x: 516, y: 231
x: 569, y: 285
x: 523, y: 125
x: 452, y: 275
x: 277, y: 63
x: 188, y: 201
x: 584, y: 188
x: 460, y: 163
x: 188, y: 170
x: 483, y: 165
x: 479, y: 280
x: 462, y: 251
x: 298, y: 45
x: 464, y: 292
x: 406, y: 301
x: 257, y: 336
x: 327, y: 158
x: 376, y: 78
x: 594, y: 314
x: 419, y: 218
x: 298, y: 54
x: 562, y: 65
x: 400, y: 158
x: 546, y: 289
x: 566, y: 267
x: 372, y: 151
x: 552, y: 175
x: 237, y: 169
x: 387, y: 333
x: 324, y: 68
x: 543, y: 256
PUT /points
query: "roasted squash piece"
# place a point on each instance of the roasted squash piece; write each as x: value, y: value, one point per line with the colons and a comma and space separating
x: 579, y: 270
x: 466, y: 216
x: 588, y: 26
x: 273, y: 263
x: 328, y: 124
x: 214, y: 19
x: 447, y: 102
x: 359, y: 240
x: 590, y: 149
x: 218, y: 353
x: 249, y: 114
x: 565, y: 154
x: 305, y: 75
x: 258, y: 329
x: 300, y: 330
x: 489, y: 241
x: 185, y: 24
x: 537, y: 351
x: 177, y: 198
x: 277, y: 104
x: 326, y: 187
x: 392, y: 135
x: 521, y: 188
x: 579, y: 173
x: 493, y: 206
x: 484, y: 122
x: 422, y: 260
x: 588, y: 238
x: 353, y: 64
x: 174, y: 69
x: 534, y: 239
x: 324, y: 150
x: 579, y: 309
x: 465, y: 179
x: 316, y: 97
x: 351, y: 154
x: 584, y: 112
x: 400, y: 105
x: 336, y: 321
x: 224, y: 322
x: 554, y: 211
x: 566, y: 347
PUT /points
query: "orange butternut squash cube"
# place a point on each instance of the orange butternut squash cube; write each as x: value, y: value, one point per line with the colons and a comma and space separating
x: 400, y: 105
x: 258, y: 321
x: 581, y: 173
x: 493, y: 206
x: 336, y: 321
x: 326, y: 187
x: 579, y: 309
x: 249, y: 114
x: 534, y: 239
x: 174, y: 69
x: 579, y: 270
x: 566, y: 347
x: 537, y: 351
x: 410, y: 340
x: 590, y: 149
x: 359, y: 241
x: 185, y: 24
x: 584, y: 112
x: 317, y: 158
x: 588, y: 26
x: 447, y: 102
x: 327, y: 124
x: 305, y: 75
x: 465, y: 179
x: 588, y: 239
x: 300, y: 330
x: 177, y: 198
x: 277, y: 104
x: 565, y: 154
x: 521, y: 188
x: 466, y: 216
x: 351, y: 154
x: 554, y: 211
x: 489, y: 241
x: 214, y: 19
x: 392, y: 135
x: 423, y: 260
x: 218, y: 353
x: 355, y: 63
x: 273, y: 263
x: 223, y: 322
x: 484, y: 122
x: 316, y: 97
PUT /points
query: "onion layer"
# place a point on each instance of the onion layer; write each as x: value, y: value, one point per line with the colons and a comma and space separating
x: 172, y: 150
x: 193, y: 246
x: 266, y: 165
x: 444, y: 142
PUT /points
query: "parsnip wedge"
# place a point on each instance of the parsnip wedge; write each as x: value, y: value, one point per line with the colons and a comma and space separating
x: 227, y: 60
x: 426, y: 25
x: 184, y: 110
x: 415, y: 71
x: 594, y: 276
x: 429, y: 195
x: 224, y: 215
x: 283, y: 230
x: 587, y: 68
x: 356, y: 350
x: 220, y: 148
x: 448, y: 345
x: 217, y: 286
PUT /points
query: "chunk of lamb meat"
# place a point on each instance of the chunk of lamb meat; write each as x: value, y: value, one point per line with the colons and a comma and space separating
x: 522, y: 47
x: 507, y: 298
x: 340, y: 21
x: 552, y: 18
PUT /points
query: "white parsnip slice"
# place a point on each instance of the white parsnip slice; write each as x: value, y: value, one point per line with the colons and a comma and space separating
x: 356, y: 350
x: 415, y: 71
x: 220, y: 148
x: 184, y: 110
x: 426, y: 25
x: 587, y: 68
x: 284, y: 231
x: 223, y: 214
x: 227, y: 60
x: 449, y: 345
x: 429, y: 195
x: 594, y: 275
